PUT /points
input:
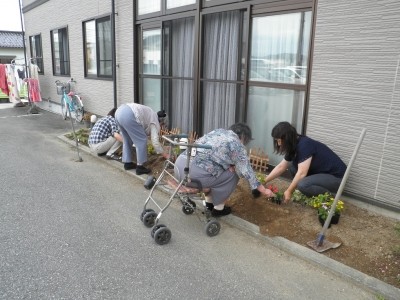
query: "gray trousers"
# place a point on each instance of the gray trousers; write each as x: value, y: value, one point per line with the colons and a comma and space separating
x: 221, y: 187
x: 132, y: 133
x: 316, y: 184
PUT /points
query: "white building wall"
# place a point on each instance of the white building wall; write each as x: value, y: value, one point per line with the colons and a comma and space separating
x: 124, y: 48
x: 18, y: 53
x: 355, y: 84
x: 97, y: 94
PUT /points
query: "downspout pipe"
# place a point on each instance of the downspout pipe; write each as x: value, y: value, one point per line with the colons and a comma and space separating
x: 114, y: 54
x: 26, y: 71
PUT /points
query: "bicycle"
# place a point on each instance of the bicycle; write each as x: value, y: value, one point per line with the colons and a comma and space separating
x: 70, y: 101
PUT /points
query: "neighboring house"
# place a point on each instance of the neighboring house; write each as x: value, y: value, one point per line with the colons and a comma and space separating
x: 11, y: 46
x: 328, y: 67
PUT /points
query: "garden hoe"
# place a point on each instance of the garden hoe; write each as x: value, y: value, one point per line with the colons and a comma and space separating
x: 75, y: 137
x: 320, y: 244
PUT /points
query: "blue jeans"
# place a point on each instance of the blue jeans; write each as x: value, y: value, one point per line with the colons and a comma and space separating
x: 316, y: 184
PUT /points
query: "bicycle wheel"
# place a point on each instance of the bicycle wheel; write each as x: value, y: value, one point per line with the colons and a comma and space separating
x: 64, y: 108
x: 78, y: 108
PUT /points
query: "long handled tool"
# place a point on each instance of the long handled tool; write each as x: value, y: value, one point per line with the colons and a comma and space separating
x: 79, y: 159
x: 320, y: 244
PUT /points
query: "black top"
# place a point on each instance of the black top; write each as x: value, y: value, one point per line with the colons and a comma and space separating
x: 324, y: 160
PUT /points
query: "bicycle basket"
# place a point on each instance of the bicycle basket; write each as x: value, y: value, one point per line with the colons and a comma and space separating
x: 61, y: 87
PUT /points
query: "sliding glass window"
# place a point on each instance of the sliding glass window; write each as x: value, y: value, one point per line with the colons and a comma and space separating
x: 98, y: 47
x: 221, y: 65
x: 60, y: 51
x: 167, y: 70
x: 36, y: 51
x: 279, y: 57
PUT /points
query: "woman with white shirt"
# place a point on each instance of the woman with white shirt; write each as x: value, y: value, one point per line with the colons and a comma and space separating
x: 137, y: 122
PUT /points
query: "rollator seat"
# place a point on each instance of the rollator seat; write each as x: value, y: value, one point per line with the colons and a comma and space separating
x: 184, y: 189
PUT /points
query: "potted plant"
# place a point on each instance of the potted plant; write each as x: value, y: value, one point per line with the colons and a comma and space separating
x: 323, y: 203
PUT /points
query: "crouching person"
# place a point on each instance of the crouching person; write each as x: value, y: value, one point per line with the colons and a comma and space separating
x: 219, y: 169
x: 104, y: 138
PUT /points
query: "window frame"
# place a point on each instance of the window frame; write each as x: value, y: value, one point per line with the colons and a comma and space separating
x: 37, y: 53
x: 164, y: 11
x: 62, y: 54
x: 254, y: 8
x: 96, y: 20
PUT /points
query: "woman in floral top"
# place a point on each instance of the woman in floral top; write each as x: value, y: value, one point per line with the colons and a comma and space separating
x: 219, y: 168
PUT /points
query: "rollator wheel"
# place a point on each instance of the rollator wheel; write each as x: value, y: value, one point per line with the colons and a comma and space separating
x: 155, y: 228
x: 212, y: 228
x: 162, y: 236
x: 149, y: 219
x: 144, y: 212
x: 187, y: 209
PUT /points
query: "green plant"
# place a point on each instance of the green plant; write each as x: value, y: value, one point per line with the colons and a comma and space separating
x: 260, y: 177
x: 323, y: 204
x: 82, y: 135
x: 150, y: 149
x: 299, y: 197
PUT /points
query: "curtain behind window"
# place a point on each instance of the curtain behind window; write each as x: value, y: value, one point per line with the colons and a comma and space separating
x: 182, y: 48
x: 105, y: 51
x: 221, y: 49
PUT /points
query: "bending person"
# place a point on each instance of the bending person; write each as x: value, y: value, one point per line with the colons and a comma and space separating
x: 104, y: 137
x: 219, y: 168
x: 315, y: 168
x: 137, y: 122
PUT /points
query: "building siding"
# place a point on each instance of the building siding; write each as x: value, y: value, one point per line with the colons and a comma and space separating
x: 355, y: 85
x: 97, y: 94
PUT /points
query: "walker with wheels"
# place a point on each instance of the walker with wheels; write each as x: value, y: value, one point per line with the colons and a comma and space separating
x: 192, y: 199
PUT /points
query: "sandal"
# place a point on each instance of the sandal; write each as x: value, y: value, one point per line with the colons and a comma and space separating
x: 114, y: 157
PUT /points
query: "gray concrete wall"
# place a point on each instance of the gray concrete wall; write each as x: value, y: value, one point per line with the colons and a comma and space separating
x: 355, y: 84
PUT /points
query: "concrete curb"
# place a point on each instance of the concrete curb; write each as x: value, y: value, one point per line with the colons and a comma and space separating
x: 377, y: 286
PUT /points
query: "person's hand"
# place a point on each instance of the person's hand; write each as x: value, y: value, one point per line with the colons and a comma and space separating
x: 287, y: 195
x: 266, y: 192
x: 232, y: 169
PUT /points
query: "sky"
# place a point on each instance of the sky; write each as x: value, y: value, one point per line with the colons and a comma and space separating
x: 10, y: 19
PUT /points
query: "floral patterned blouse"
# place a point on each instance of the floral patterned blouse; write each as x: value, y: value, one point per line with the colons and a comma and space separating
x: 227, y: 150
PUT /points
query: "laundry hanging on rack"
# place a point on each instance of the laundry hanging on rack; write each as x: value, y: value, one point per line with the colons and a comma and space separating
x: 13, y: 95
x: 3, y: 79
x: 34, y: 89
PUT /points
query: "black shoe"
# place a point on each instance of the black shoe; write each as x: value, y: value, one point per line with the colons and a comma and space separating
x: 219, y: 213
x: 209, y: 206
x: 102, y: 154
x: 129, y: 166
x: 142, y: 170
x: 113, y: 157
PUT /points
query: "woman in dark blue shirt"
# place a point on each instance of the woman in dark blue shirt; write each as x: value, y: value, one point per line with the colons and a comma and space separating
x: 315, y: 168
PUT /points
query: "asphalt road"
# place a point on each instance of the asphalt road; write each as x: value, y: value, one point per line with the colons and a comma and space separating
x: 71, y: 230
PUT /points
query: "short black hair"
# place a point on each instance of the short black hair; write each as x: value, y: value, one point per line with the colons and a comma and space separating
x: 243, y: 131
x: 112, y: 112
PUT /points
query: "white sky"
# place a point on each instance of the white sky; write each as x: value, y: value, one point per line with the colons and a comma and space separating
x: 10, y: 19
